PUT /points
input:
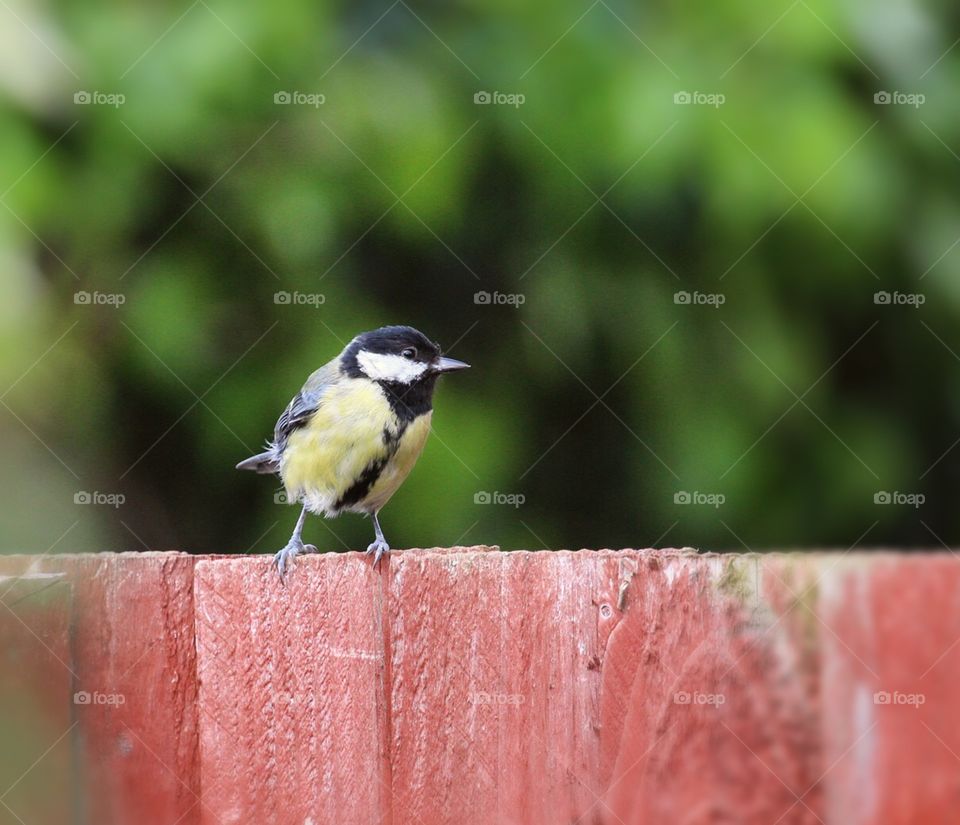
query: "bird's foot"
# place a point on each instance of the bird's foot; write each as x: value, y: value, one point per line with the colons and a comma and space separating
x: 379, y: 547
x: 283, y: 560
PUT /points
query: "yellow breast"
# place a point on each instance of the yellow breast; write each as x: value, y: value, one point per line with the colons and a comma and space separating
x: 326, y: 457
x: 398, y: 468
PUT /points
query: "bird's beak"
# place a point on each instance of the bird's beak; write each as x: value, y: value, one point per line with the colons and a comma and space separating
x: 448, y: 365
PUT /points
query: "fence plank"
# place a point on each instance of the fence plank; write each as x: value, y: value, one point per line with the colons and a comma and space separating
x: 35, y: 711
x: 891, y: 719
x: 493, y: 691
x: 292, y: 686
x: 132, y: 648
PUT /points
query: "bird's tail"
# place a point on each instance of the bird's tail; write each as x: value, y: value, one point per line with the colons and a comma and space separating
x: 261, y: 463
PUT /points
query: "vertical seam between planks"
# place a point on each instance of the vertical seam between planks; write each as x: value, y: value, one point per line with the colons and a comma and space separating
x: 194, y: 598
x: 382, y: 608
x: 80, y: 809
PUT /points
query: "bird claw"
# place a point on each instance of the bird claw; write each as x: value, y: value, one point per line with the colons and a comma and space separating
x: 284, y: 558
x: 379, y: 548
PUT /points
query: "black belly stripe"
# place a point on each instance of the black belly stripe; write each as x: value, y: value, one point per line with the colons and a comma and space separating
x: 391, y: 438
x: 358, y: 490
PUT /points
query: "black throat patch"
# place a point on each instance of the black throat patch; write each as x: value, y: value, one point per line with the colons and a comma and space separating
x: 410, y: 401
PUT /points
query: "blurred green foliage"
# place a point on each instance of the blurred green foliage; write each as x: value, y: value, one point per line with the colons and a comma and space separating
x: 603, y: 398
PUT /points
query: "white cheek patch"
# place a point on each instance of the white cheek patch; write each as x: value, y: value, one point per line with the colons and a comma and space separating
x: 379, y: 366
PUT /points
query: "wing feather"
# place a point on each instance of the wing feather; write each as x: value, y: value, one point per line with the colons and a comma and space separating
x: 298, y: 413
x: 303, y: 406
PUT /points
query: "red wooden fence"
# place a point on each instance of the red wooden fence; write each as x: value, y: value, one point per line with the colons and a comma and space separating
x: 473, y: 686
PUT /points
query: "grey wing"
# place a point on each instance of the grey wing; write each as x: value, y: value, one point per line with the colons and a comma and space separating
x: 298, y: 412
x: 304, y: 404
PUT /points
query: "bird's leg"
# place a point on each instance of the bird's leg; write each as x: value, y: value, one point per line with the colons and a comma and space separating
x: 379, y: 545
x: 284, y: 558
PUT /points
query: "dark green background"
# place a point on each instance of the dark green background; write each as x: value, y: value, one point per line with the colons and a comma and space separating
x: 797, y: 200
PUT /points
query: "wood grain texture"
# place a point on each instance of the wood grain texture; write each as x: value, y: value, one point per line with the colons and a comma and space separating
x: 494, y: 699
x: 292, y: 692
x: 593, y: 687
x: 468, y: 685
x: 702, y: 704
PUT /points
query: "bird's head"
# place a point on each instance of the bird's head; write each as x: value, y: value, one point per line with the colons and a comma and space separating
x: 396, y: 355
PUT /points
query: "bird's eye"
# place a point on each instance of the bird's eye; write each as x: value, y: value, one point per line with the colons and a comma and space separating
x: 409, y: 353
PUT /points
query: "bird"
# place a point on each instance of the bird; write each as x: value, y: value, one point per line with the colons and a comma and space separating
x: 352, y: 434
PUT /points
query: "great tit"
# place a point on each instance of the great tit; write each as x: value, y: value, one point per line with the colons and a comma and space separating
x: 352, y: 434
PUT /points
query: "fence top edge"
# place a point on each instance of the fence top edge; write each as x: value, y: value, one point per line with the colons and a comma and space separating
x: 415, y: 552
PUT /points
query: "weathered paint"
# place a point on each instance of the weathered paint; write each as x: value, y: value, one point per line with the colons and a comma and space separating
x: 890, y: 709
x: 292, y: 707
x: 468, y: 685
x: 36, y: 717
